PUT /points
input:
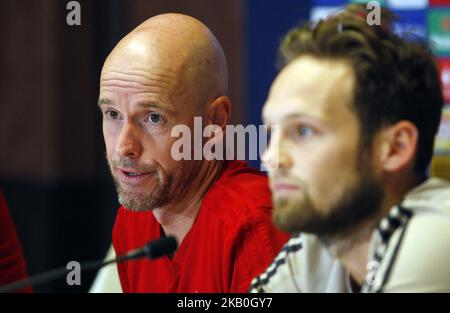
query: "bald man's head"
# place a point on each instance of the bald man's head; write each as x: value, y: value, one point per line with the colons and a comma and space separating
x: 180, y: 47
x: 166, y: 72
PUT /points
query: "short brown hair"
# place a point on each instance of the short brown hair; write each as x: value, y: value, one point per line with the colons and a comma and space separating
x: 396, y: 79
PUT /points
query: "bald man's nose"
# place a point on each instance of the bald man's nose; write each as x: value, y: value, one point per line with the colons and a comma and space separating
x: 128, y: 143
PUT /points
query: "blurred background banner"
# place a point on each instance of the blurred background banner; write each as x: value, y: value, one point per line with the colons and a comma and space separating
x: 428, y: 20
x: 53, y: 170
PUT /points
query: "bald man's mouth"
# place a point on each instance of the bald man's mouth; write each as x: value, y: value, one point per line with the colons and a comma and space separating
x: 133, y: 177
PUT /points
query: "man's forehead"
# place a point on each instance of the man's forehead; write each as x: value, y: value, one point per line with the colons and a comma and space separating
x: 321, y: 88
x: 307, y: 74
x: 146, y: 52
x: 144, y: 75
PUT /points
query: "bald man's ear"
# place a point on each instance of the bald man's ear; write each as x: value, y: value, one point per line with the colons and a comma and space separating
x: 398, y: 146
x: 219, y: 112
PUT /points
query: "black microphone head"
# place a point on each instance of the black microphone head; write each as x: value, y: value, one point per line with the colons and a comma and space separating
x: 161, y: 247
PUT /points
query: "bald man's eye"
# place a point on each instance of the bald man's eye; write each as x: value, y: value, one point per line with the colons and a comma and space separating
x: 112, y: 115
x: 155, y: 118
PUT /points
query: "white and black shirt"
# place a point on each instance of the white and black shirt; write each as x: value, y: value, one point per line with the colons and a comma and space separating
x: 409, y: 252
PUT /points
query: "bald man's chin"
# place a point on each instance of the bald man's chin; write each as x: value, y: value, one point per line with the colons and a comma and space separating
x: 139, y: 202
x: 142, y: 199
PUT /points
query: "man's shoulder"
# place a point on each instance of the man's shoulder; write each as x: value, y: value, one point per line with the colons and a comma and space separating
x: 302, y: 265
x: 241, y: 186
x: 429, y: 224
x: 417, y: 256
x: 432, y: 195
x: 240, y: 196
x: 238, y: 173
x: 422, y: 263
x: 239, y: 207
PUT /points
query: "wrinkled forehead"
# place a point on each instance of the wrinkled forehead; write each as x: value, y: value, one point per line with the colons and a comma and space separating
x: 141, y: 67
x: 321, y: 88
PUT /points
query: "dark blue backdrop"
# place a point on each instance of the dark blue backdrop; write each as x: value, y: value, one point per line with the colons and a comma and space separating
x: 267, y: 22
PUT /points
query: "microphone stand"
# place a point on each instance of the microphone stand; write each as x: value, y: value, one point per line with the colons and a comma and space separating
x: 154, y: 249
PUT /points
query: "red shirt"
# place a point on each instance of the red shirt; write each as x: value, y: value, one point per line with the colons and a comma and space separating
x: 231, y: 241
x: 12, y: 263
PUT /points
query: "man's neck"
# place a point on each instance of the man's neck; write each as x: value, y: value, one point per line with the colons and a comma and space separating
x: 352, y: 247
x: 178, y: 217
x: 352, y: 250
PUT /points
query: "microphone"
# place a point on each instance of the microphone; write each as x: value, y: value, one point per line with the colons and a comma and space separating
x: 153, y: 250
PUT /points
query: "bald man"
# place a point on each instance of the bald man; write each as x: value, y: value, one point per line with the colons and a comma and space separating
x: 167, y: 71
